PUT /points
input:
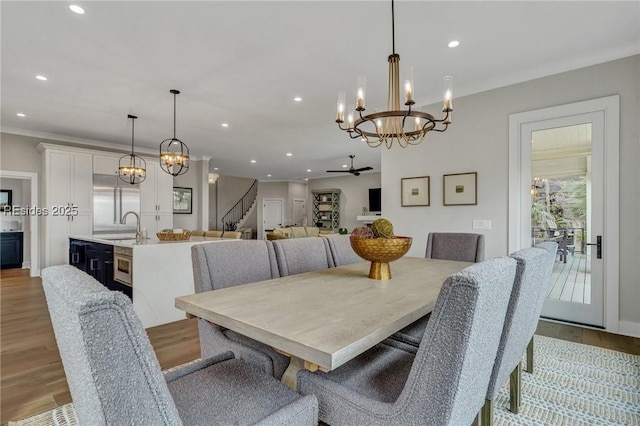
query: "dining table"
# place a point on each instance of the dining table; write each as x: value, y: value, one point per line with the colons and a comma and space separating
x: 324, y: 318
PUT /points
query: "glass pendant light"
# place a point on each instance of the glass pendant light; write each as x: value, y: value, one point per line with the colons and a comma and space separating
x: 132, y: 168
x: 174, y: 154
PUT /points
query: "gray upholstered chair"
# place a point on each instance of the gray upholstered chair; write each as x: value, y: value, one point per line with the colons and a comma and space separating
x: 521, y: 313
x: 219, y: 265
x: 115, y: 378
x: 449, y: 246
x: 299, y: 255
x: 341, y: 251
x: 455, y: 246
x: 552, y: 248
x: 445, y: 383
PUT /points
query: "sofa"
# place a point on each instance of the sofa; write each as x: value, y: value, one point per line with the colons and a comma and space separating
x: 296, y: 232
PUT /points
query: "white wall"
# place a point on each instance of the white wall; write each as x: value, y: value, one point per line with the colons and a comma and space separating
x: 354, y: 195
x: 478, y: 141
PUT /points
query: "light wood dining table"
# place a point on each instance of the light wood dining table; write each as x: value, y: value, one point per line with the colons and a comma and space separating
x: 324, y: 318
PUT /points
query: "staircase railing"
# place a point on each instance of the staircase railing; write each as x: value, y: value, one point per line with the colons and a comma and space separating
x: 231, y: 219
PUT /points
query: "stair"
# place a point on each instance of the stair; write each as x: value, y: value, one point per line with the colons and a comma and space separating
x: 238, y: 214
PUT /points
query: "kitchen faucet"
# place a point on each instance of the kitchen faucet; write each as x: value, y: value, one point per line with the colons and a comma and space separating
x: 139, y: 236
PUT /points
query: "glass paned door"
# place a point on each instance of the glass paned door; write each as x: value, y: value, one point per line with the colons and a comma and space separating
x: 567, y: 207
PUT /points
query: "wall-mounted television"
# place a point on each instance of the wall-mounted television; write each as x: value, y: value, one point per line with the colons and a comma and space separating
x: 375, y: 200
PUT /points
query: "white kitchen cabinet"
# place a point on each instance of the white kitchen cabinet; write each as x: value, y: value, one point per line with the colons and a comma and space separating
x: 156, y: 199
x: 106, y: 164
x: 68, y: 201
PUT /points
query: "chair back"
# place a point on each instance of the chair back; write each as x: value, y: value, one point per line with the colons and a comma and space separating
x: 551, y: 247
x: 213, y: 233
x: 236, y: 235
x: 522, y: 312
x: 112, y: 371
x: 218, y: 265
x: 299, y: 255
x: 448, y: 380
x: 341, y: 250
x: 464, y: 247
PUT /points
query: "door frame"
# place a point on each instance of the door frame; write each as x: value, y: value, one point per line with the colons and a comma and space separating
x: 34, y: 252
x: 261, y: 231
x: 519, y: 189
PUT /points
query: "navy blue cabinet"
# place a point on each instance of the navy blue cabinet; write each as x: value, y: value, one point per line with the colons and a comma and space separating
x: 96, y: 259
x: 11, y: 255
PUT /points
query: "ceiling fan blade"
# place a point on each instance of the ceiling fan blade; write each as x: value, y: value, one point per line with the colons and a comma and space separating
x: 338, y: 171
x: 362, y: 169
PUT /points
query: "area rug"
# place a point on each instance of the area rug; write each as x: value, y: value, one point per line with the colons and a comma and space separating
x: 573, y: 384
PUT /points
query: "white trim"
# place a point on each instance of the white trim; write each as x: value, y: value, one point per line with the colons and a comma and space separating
x: 261, y: 234
x: 34, y: 264
x: 610, y: 106
x: 629, y: 328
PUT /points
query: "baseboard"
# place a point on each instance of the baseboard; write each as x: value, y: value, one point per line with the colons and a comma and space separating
x: 629, y: 328
x: 26, y: 265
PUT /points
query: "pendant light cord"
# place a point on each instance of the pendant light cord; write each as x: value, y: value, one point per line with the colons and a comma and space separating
x: 393, y: 29
x: 133, y: 125
x: 174, y: 115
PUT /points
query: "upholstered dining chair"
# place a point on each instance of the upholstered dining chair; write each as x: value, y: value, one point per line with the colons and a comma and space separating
x: 299, y: 255
x: 523, y: 311
x: 236, y: 235
x: 341, y: 251
x: 115, y: 379
x: 213, y: 233
x: 551, y: 248
x: 445, y: 382
x: 464, y: 247
x: 218, y: 265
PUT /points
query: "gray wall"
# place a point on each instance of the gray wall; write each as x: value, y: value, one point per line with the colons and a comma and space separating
x: 230, y: 190
x: 478, y: 141
x: 192, y: 179
x: 354, y: 195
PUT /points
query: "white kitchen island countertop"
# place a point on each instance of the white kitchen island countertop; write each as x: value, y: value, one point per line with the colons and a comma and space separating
x: 162, y: 271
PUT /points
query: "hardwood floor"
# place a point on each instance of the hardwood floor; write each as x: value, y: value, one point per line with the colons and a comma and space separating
x: 32, y: 378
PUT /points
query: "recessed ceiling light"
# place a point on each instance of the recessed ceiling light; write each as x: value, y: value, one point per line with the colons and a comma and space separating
x: 344, y: 165
x: 289, y: 154
x: 306, y: 179
x: 41, y: 77
x: 225, y: 124
x: 215, y: 168
x: 454, y: 43
x: 297, y: 99
x: 268, y: 175
x: 308, y: 170
x: 253, y: 161
x: 21, y: 114
x: 76, y: 9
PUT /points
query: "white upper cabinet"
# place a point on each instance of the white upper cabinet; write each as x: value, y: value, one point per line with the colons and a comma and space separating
x: 106, y: 164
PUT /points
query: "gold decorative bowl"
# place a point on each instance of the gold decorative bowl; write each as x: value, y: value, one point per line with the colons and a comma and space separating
x: 381, y: 251
x: 170, y: 236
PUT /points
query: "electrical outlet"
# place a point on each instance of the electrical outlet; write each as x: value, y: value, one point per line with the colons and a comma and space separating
x: 484, y: 224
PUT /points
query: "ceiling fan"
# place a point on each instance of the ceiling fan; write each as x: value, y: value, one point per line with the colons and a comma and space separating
x: 352, y: 170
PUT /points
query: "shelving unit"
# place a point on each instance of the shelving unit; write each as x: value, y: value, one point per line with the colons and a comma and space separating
x: 326, y: 209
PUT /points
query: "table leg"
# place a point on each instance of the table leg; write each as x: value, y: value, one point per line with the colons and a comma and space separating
x: 289, y: 378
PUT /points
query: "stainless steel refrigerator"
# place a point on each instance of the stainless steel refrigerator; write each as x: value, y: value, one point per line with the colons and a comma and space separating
x: 111, y: 199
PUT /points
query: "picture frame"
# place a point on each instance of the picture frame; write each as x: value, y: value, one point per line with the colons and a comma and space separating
x: 460, y: 189
x: 415, y: 191
x: 182, y: 200
x: 6, y: 196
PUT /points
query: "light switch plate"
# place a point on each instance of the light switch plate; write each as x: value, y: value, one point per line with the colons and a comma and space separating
x: 484, y: 224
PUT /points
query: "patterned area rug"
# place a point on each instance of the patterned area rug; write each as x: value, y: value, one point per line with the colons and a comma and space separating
x: 573, y: 384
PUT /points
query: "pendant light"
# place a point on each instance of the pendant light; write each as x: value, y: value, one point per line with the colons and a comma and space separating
x: 174, y: 154
x: 132, y: 168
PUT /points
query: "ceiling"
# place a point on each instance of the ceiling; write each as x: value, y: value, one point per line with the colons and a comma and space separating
x: 242, y: 63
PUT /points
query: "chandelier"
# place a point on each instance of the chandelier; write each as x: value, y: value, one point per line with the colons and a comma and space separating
x: 174, y: 154
x: 406, y: 127
x: 132, y: 168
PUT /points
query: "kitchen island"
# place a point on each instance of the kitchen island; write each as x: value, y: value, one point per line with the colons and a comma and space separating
x: 160, y: 272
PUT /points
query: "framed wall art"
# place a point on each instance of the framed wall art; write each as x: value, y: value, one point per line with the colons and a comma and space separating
x: 415, y: 191
x: 460, y: 189
x: 182, y: 200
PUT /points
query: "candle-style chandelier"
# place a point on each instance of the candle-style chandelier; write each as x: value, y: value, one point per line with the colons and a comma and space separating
x: 406, y: 127
x: 174, y: 154
x: 132, y: 168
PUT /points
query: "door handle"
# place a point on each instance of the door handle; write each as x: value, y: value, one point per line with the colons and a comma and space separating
x: 598, y: 245
x: 115, y: 207
x: 92, y: 264
x: 75, y: 257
